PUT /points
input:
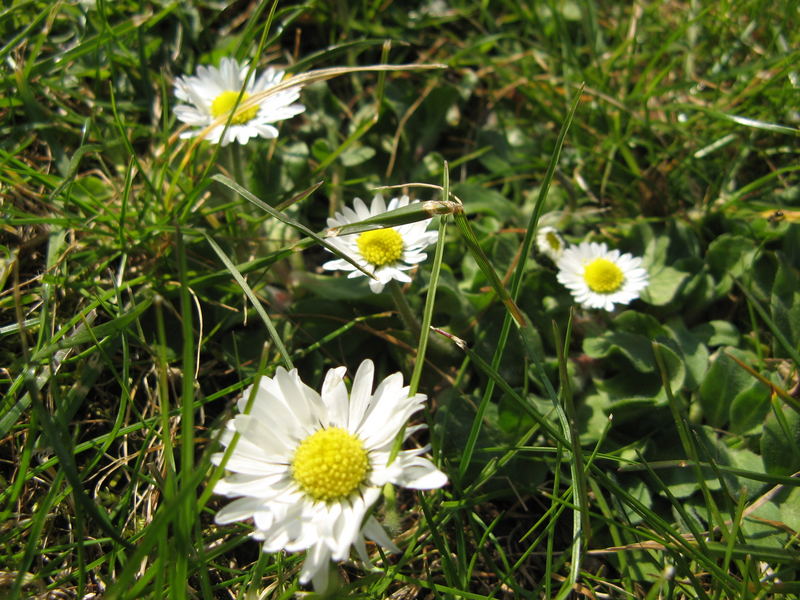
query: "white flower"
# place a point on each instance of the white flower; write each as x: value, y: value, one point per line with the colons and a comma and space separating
x: 213, y: 92
x: 550, y: 243
x: 598, y: 277
x: 307, y: 466
x: 386, y: 253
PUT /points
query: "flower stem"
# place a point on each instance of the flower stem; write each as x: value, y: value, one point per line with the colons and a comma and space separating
x: 231, y: 156
x: 409, y: 320
x: 238, y: 166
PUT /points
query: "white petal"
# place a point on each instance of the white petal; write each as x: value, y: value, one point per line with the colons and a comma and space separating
x: 376, y: 286
x: 334, y: 396
x: 346, y: 529
x: 238, y: 484
x: 260, y: 440
x: 263, y: 519
x: 361, y: 210
x: 378, y: 206
x: 374, y: 531
x: 238, y: 510
x: 304, y: 401
x: 418, y: 473
x: 361, y: 394
x: 316, y: 568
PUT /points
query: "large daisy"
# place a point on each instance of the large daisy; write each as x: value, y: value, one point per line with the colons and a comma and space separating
x: 307, y: 466
x: 385, y: 253
x: 598, y: 277
x: 213, y: 93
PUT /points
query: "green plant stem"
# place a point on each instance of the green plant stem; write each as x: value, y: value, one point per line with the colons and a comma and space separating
x: 403, y: 308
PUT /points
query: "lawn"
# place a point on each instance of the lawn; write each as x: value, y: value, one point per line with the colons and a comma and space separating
x: 466, y: 299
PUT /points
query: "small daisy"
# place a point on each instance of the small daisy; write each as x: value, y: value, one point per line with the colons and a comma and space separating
x: 213, y: 92
x: 598, y: 277
x: 386, y: 253
x: 550, y: 242
x: 307, y: 467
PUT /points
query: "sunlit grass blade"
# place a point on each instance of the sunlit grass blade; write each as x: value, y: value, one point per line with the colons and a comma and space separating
x: 282, y: 217
x: 273, y: 333
x: 430, y: 297
x: 509, y: 299
x: 581, y: 527
x: 547, y: 180
x: 410, y: 213
x: 474, y: 248
x: 521, y: 402
x: 688, y: 440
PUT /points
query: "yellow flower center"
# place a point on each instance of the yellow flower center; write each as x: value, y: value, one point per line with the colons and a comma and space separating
x: 380, y: 246
x: 603, y: 276
x: 553, y: 241
x: 224, y: 103
x: 330, y: 464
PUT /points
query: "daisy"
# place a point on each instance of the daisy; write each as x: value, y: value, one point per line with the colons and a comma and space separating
x: 307, y: 466
x: 550, y: 243
x: 385, y: 253
x: 213, y: 93
x: 598, y: 277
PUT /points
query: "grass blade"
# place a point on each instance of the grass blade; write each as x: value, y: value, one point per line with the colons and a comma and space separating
x: 254, y: 300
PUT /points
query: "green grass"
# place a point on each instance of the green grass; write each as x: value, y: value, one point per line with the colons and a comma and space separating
x: 145, y: 281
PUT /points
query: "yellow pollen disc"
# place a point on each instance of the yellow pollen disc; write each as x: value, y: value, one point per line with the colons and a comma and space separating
x: 603, y: 276
x: 330, y: 464
x: 224, y: 103
x: 380, y: 246
x: 553, y: 241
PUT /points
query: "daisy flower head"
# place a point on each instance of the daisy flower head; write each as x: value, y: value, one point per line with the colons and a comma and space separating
x: 307, y: 466
x: 385, y: 253
x: 598, y: 277
x: 210, y: 96
x: 550, y: 243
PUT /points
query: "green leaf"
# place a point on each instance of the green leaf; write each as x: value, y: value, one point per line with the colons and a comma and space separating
x: 478, y: 199
x: 593, y: 417
x: 780, y: 441
x: 639, y: 323
x: 723, y: 382
x: 683, y: 483
x: 635, y: 348
x: 790, y: 509
x: 356, y: 154
x: 656, y: 247
x: 676, y: 370
x: 729, y: 257
x: 749, y: 408
x: 763, y: 523
x: 637, y: 488
x: 663, y: 286
x: 335, y: 288
x: 785, y: 302
x: 635, y: 395
x: 718, y: 333
x: 321, y: 149
x: 694, y: 352
x: 747, y: 461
